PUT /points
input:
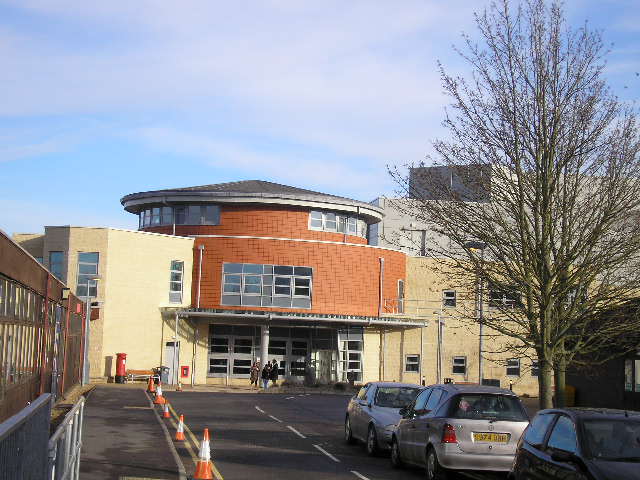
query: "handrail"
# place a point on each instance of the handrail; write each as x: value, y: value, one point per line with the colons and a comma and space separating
x: 14, y: 422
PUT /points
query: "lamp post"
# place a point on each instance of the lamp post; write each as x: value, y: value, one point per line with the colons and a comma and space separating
x: 87, y: 320
x: 473, y: 245
x: 439, y: 359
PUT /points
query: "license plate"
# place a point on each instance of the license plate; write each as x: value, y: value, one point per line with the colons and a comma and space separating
x: 491, y: 437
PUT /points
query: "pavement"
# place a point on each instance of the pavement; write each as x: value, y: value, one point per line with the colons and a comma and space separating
x: 123, y: 439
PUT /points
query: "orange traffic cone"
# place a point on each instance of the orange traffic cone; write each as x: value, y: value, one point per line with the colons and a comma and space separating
x: 160, y: 400
x: 165, y: 413
x: 151, y: 387
x: 180, y: 431
x: 203, y: 468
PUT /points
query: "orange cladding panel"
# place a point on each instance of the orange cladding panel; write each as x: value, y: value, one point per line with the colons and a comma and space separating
x: 345, y: 277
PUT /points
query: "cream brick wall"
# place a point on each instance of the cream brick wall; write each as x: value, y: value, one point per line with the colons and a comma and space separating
x: 426, y: 279
x: 138, y: 318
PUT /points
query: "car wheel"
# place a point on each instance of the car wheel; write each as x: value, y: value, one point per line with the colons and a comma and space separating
x: 348, y: 435
x: 396, y: 460
x: 434, y: 470
x: 372, y: 441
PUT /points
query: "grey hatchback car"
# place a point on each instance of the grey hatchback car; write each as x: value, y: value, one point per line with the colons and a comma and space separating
x: 372, y: 413
x: 459, y: 427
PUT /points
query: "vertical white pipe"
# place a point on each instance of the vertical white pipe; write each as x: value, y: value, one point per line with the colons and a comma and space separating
x: 175, y: 352
x: 381, y: 286
x: 201, y: 248
x: 264, y: 345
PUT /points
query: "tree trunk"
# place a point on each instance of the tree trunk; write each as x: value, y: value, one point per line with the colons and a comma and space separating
x: 545, y: 383
x: 559, y: 375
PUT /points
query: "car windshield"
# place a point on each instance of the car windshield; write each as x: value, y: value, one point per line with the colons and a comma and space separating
x: 613, y: 439
x: 395, y: 397
x: 487, y: 406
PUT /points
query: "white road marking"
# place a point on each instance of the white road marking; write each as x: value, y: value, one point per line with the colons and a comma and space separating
x: 289, y: 398
x: 359, y: 475
x: 295, y: 431
x: 276, y: 419
x: 327, y: 453
x: 301, y: 395
x: 307, y: 394
x: 259, y: 409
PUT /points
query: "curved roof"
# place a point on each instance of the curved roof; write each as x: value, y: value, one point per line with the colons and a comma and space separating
x: 250, y: 192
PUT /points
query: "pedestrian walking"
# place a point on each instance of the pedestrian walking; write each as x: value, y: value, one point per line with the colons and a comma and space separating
x: 255, y: 373
x: 266, y: 371
x: 273, y: 374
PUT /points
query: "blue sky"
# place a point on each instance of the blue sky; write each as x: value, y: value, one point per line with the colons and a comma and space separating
x: 102, y: 99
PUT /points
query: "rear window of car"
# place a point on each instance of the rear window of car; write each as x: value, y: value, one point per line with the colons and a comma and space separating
x: 395, y: 397
x: 487, y: 406
x: 613, y: 439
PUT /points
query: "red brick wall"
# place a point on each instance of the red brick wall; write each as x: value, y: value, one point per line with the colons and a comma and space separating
x: 345, y: 277
x: 261, y: 221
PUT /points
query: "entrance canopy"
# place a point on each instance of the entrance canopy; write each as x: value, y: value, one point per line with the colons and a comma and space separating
x: 257, y: 317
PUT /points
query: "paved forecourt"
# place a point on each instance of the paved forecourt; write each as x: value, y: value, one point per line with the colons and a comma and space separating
x: 280, y: 436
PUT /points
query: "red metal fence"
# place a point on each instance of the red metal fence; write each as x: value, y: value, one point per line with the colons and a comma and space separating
x: 41, y: 338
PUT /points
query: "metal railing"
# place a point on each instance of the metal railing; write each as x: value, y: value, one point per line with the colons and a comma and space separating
x: 23, y: 442
x: 65, y: 445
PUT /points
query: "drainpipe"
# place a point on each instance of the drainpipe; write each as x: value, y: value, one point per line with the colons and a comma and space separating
x: 175, y: 352
x: 381, y: 286
x: 421, y: 353
x: 201, y: 248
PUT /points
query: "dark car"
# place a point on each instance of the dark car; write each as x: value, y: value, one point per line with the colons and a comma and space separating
x: 580, y: 443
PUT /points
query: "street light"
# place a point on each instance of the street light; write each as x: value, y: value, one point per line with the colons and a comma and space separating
x: 475, y: 245
x: 87, y: 319
x: 439, y: 362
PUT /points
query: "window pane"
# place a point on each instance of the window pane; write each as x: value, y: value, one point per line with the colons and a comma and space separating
x: 167, y: 216
x: 252, y: 268
x: 211, y: 215
x: 231, y: 288
x: 330, y: 221
x: 303, y: 271
x: 283, y: 281
x: 628, y: 375
x: 282, y: 290
x: 282, y: 270
x: 87, y: 257
x: 232, y: 268
x: 252, y: 289
x: 235, y: 279
x: 180, y: 215
x: 563, y: 436
x: 87, y: 269
x: 536, y: 431
x: 301, y: 291
x: 316, y: 219
x: 252, y: 279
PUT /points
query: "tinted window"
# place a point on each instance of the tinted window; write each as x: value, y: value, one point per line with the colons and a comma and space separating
x: 421, y: 400
x: 395, y: 397
x: 613, y: 439
x: 534, y: 435
x: 362, y: 394
x: 434, y: 399
x: 488, y: 406
x: 563, y: 436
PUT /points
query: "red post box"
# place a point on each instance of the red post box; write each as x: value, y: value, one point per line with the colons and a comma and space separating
x: 184, y: 371
x: 121, y: 367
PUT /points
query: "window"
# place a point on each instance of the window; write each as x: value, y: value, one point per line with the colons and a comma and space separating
x: 181, y: 215
x: 218, y: 365
x: 412, y: 363
x: 362, y: 394
x: 87, y: 269
x: 337, y: 222
x: 563, y: 436
x: 504, y: 299
x: 350, y: 352
x: 421, y: 400
x: 460, y: 365
x: 400, y: 296
x: 219, y: 345
x: 534, y: 435
x: 175, y: 281
x: 628, y: 375
x: 434, y: 399
x: 535, y: 369
x: 56, y: 264
x: 449, y: 298
x: 513, y: 367
x: 266, y: 285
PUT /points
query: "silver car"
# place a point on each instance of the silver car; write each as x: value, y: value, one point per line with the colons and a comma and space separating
x: 459, y: 427
x: 373, y: 413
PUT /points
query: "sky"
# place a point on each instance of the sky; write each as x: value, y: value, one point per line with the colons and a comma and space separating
x: 102, y: 99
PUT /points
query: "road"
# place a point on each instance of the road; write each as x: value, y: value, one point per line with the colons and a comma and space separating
x: 273, y: 436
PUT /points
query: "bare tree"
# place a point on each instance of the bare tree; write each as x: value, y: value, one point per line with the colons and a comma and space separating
x: 543, y: 174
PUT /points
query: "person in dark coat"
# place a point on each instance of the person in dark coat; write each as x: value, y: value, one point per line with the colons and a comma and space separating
x: 266, y: 372
x: 273, y: 374
x: 255, y: 373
